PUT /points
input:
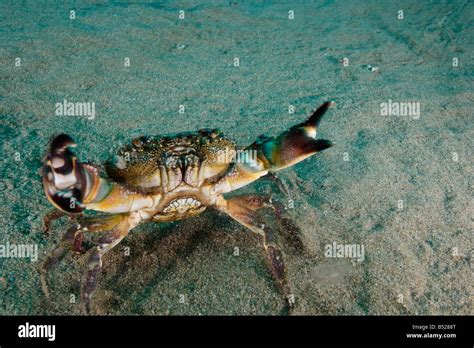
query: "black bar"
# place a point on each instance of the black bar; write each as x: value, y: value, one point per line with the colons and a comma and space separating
x: 260, y: 330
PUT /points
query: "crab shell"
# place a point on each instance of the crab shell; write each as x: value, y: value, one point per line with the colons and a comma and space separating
x: 159, y: 165
x: 175, y: 168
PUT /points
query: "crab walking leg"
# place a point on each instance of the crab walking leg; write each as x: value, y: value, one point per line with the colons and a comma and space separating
x: 282, y: 186
x: 55, y: 257
x: 49, y: 217
x: 72, y: 240
x: 291, y: 230
x: 106, y: 243
x: 253, y: 202
x: 247, y: 217
x: 72, y: 186
x: 273, y: 154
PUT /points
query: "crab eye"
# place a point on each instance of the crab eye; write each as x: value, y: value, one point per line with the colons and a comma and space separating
x: 119, y: 162
x: 138, y: 142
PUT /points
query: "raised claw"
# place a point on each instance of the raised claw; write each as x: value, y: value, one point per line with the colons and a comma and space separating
x: 292, y: 146
x: 64, y: 178
x: 276, y: 153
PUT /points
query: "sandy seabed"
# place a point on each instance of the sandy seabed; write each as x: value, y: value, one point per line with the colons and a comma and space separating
x: 401, y: 186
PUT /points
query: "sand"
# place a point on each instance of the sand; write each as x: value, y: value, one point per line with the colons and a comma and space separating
x: 418, y: 253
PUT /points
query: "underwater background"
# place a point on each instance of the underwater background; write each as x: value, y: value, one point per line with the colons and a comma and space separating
x: 401, y: 186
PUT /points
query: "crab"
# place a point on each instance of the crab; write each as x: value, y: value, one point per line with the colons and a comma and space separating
x: 165, y: 179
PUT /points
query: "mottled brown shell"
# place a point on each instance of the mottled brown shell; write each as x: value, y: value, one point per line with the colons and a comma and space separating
x: 160, y: 164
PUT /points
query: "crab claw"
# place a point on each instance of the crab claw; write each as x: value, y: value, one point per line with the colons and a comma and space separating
x: 269, y: 154
x: 64, y: 178
x: 292, y: 146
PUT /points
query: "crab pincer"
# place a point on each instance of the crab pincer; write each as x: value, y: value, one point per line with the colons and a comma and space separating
x: 64, y: 178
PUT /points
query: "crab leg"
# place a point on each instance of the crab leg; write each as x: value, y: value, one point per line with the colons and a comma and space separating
x: 242, y: 209
x: 72, y: 240
x: 67, y: 242
x: 291, y: 230
x: 280, y: 183
x: 106, y: 243
x: 72, y: 186
x: 273, y: 154
x: 51, y: 216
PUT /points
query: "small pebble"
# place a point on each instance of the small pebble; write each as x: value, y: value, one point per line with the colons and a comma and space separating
x: 372, y: 68
x: 181, y: 46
